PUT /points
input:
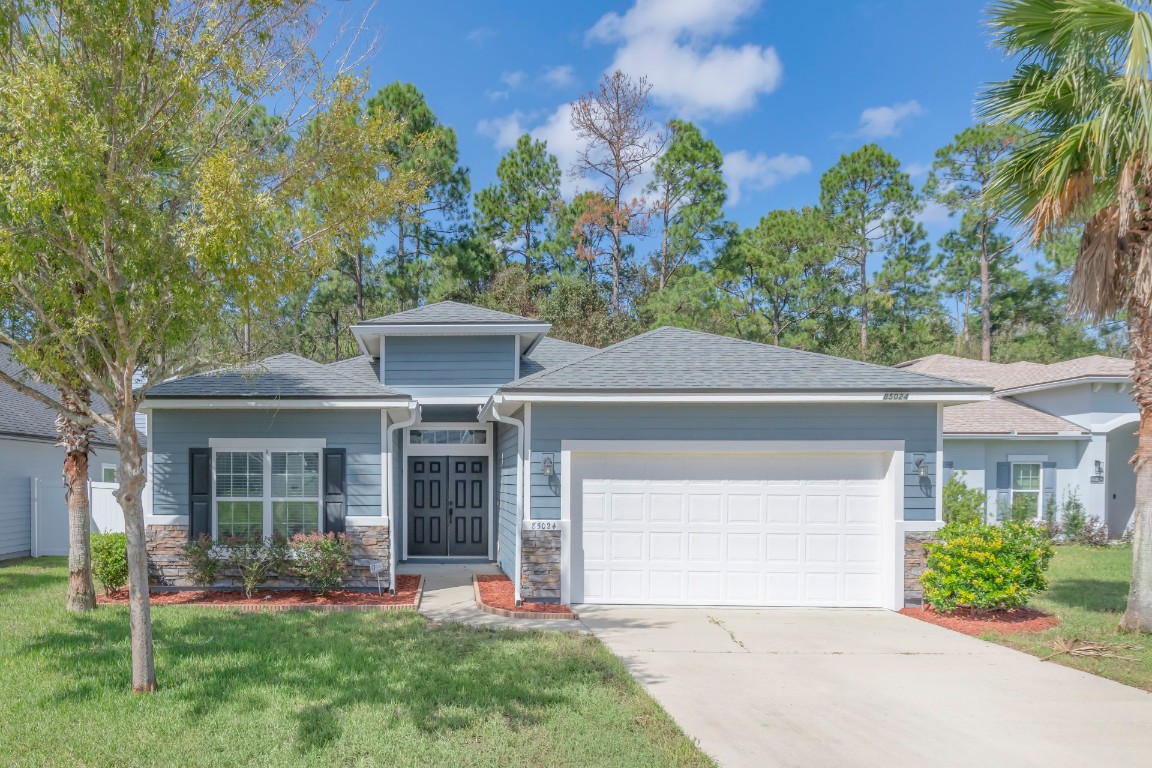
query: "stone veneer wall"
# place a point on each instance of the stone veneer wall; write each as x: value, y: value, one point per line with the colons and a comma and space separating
x: 168, y: 568
x: 540, y: 565
x: 914, y: 565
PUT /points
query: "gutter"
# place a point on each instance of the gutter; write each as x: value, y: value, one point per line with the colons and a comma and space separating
x: 414, y: 409
x: 491, y: 409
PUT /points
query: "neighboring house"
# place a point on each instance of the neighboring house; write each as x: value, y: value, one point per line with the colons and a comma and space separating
x: 33, y: 510
x: 675, y: 467
x: 1048, y: 432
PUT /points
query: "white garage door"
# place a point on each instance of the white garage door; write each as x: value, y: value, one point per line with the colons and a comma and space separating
x: 729, y: 529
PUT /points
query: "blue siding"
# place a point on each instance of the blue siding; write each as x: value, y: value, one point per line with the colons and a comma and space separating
x: 449, y: 365
x: 914, y: 423
x: 175, y: 431
x: 20, y: 461
x: 506, y: 495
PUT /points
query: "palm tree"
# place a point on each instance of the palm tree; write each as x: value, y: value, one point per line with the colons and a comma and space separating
x: 1082, y: 94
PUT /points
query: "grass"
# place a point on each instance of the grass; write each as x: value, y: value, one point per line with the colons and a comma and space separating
x: 1088, y: 589
x: 336, y: 689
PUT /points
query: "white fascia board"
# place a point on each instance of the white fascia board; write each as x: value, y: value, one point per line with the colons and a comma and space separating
x: 730, y: 446
x: 797, y: 397
x: 193, y: 403
x: 1003, y: 436
x: 1063, y: 383
x: 477, y: 400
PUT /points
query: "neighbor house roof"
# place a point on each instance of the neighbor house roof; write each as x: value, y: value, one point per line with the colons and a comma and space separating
x: 26, y: 416
x: 678, y: 360
x: 1000, y: 416
x: 1006, y: 376
x: 448, y: 313
x: 283, y: 376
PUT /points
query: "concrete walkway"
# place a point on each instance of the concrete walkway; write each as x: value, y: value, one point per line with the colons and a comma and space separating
x: 770, y: 688
x: 448, y: 596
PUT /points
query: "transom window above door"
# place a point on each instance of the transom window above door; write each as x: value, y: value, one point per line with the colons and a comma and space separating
x: 447, y: 436
x: 263, y: 493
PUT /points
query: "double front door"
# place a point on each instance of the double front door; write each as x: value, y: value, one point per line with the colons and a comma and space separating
x: 447, y: 505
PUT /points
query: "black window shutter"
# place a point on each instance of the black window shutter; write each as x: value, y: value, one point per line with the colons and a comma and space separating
x: 335, y: 502
x: 199, y: 492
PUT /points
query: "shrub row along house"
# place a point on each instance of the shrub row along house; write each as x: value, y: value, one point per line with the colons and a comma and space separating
x: 675, y: 467
x: 1052, y: 435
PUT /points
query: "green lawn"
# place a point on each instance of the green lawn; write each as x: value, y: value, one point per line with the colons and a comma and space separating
x: 341, y: 689
x: 1088, y: 589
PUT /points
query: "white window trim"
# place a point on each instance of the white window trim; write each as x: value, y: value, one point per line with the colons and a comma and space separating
x: 266, y: 446
x: 104, y: 468
x: 1027, y: 461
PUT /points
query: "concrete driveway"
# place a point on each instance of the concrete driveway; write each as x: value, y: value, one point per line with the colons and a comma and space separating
x: 846, y: 688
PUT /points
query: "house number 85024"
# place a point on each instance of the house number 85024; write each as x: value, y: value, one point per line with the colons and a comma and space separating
x: 543, y: 525
x: 895, y: 395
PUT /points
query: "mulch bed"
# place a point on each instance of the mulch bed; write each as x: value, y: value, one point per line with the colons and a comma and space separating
x: 1007, y: 622
x: 496, y: 595
x: 407, y: 597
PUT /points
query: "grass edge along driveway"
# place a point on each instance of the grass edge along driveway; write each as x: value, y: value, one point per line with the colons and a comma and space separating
x: 1088, y: 588
x: 317, y: 689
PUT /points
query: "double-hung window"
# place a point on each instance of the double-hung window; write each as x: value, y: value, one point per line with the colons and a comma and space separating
x: 1026, y: 488
x: 262, y: 493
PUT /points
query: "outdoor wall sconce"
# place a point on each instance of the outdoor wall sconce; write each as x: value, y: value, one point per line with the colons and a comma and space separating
x: 547, y: 467
x: 921, y: 466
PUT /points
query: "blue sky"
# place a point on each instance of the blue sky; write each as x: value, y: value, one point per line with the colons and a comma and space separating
x: 783, y: 87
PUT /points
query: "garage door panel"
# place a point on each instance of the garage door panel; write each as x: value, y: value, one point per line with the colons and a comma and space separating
x: 713, y: 529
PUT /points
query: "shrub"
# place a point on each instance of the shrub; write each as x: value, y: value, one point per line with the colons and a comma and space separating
x: 321, y: 560
x: 1094, y: 533
x: 1072, y: 516
x: 204, y: 561
x: 1051, y: 523
x: 962, y: 503
x: 110, y: 560
x: 256, y: 559
x: 985, y: 567
x: 1022, y: 510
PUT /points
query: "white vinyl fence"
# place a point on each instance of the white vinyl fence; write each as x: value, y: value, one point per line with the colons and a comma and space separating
x: 50, y: 517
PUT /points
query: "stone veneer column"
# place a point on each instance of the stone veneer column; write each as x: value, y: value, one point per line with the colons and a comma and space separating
x: 914, y: 565
x: 540, y: 565
x: 168, y: 568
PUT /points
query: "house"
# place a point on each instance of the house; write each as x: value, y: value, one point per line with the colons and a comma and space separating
x: 1048, y: 432
x: 33, y: 509
x: 675, y: 467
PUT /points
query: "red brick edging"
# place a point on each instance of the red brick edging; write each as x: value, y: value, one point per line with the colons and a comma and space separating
x: 274, y: 608
x: 512, y: 614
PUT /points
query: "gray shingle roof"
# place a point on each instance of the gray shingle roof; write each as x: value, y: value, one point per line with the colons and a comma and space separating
x: 1005, y: 376
x: 27, y: 416
x: 675, y: 360
x: 1001, y: 416
x: 362, y: 367
x: 449, y: 312
x: 282, y: 376
x: 551, y: 353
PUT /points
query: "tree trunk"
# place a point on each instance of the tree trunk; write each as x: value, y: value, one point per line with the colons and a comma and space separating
x: 76, y: 441
x: 359, y: 284
x: 1138, y: 615
x: 985, y: 300
x: 664, y: 253
x: 130, y: 496
x: 864, y: 305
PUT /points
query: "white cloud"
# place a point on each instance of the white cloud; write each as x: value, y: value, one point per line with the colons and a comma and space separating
x: 496, y: 95
x: 504, y: 131
x: 480, y: 35
x: 934, y: 214
x: 744, y: 171
x: 560, y: 76
x: 915, y: 170
x: 882, y: 122
x: 513, y: 79
x: 673, y: 43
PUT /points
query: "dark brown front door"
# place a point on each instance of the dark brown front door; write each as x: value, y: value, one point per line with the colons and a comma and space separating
x: 447, y: 505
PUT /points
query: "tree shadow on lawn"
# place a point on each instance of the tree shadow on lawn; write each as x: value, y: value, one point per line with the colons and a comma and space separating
x: 1090, y: 594
x: 29, y: 575
x: 437, y: 677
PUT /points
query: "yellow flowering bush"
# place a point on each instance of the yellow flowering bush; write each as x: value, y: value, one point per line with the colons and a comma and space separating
x: 985, y: 567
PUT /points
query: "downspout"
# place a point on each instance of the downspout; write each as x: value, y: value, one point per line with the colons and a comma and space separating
x: 414, y: 409
x: 519, y: 487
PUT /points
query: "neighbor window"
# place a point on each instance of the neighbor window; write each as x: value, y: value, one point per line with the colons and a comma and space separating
x: 108, y: 473
x: 447, y: 436
x: 1026, y: 488
x: 261, y: 493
